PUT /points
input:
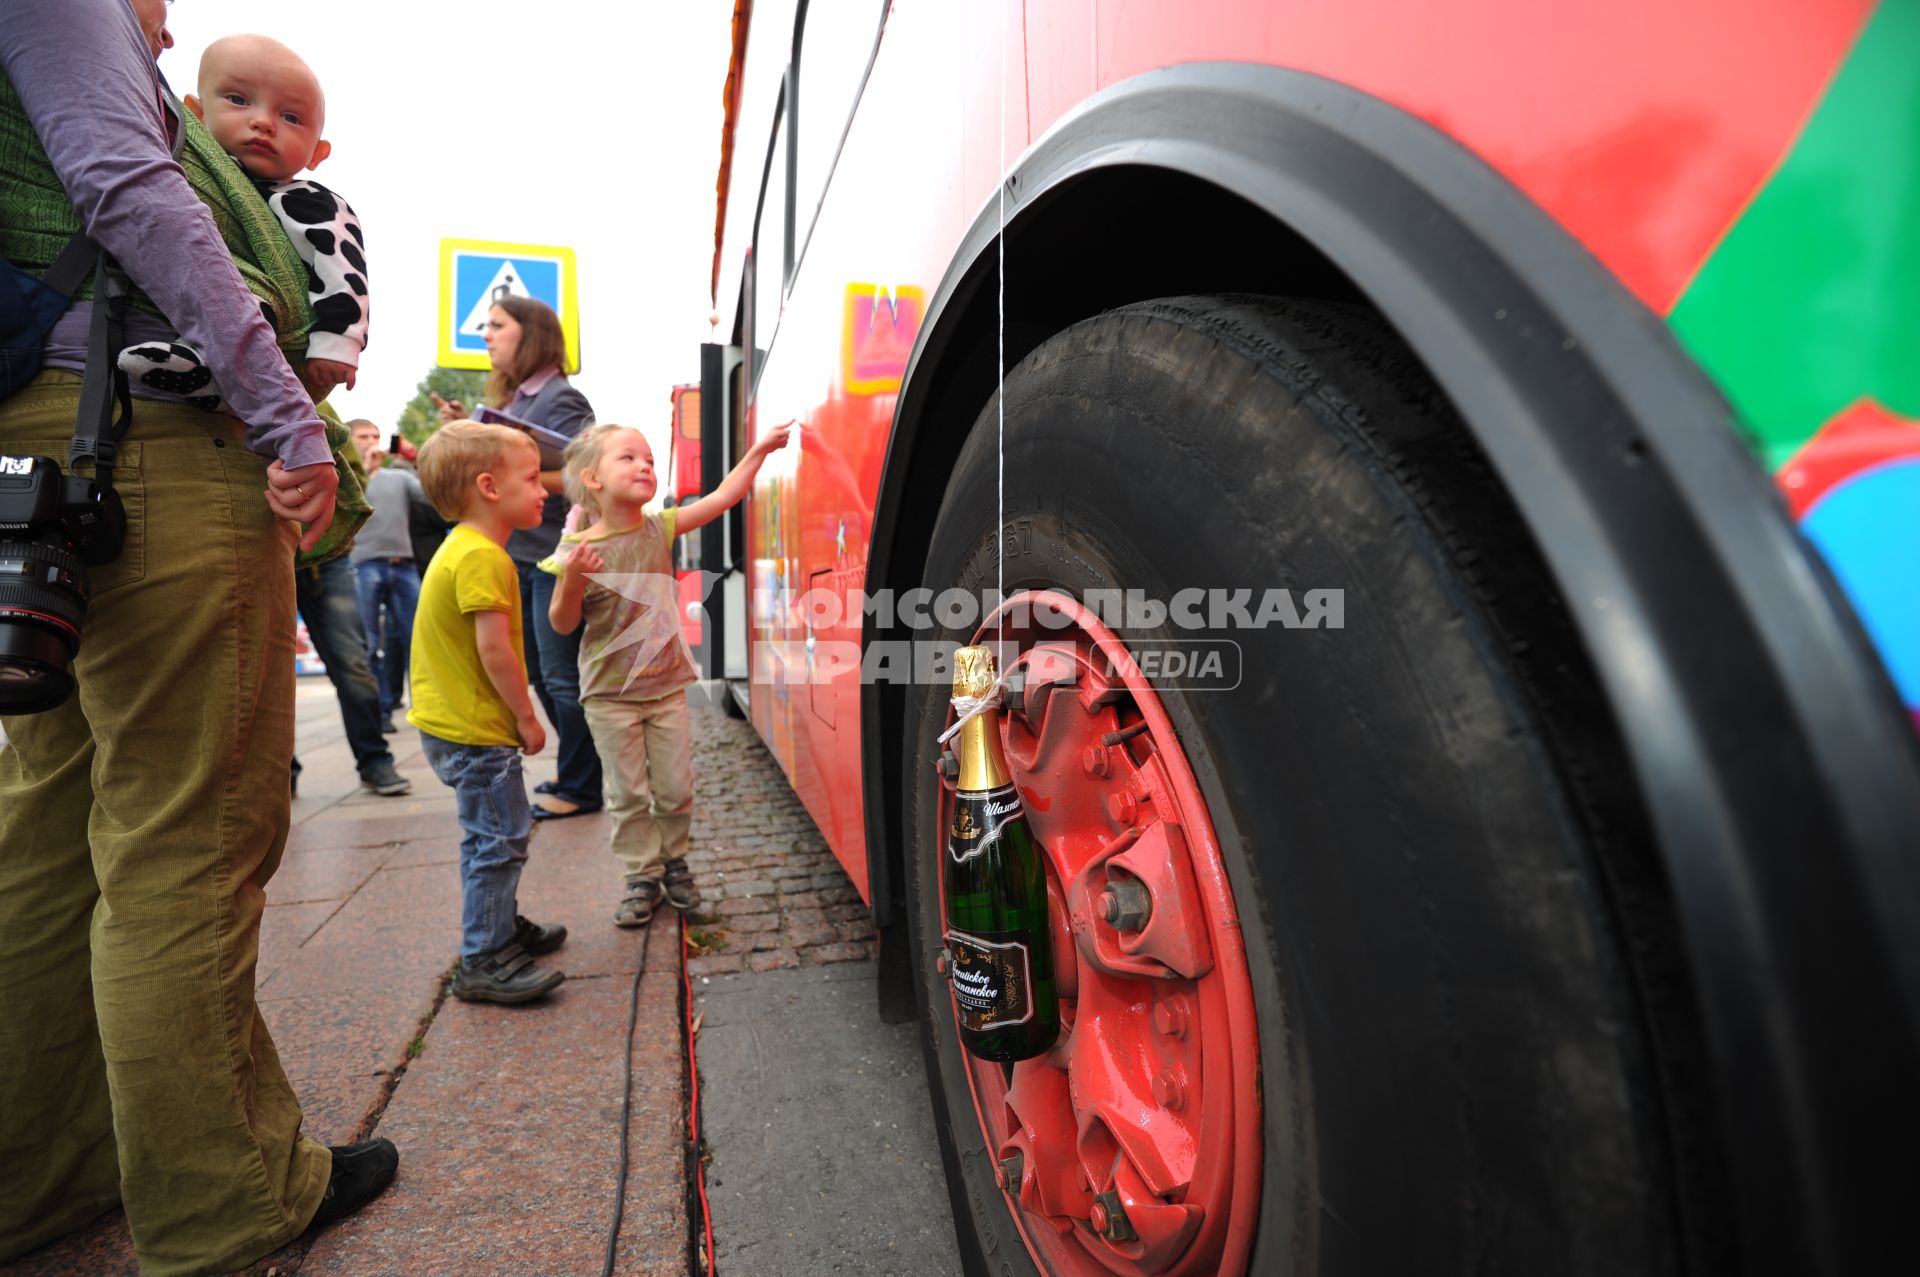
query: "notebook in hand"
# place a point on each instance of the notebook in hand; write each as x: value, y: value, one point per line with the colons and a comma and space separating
x: 553, y: 444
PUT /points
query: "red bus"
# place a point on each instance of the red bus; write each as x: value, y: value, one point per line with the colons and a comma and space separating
x: 1514, y: 408
x: 685, y: 479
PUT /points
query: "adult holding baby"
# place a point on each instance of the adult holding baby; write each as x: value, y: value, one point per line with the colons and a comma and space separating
x: 141, y: 818
x: 527, y: 347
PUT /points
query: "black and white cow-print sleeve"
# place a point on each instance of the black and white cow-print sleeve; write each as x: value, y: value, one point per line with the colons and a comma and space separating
x: 327, y: 236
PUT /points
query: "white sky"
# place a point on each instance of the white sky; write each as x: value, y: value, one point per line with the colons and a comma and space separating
x: 574, y: 122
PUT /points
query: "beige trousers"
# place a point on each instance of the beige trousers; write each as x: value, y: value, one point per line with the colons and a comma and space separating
x: 646, y: 757
x: 139, y: 823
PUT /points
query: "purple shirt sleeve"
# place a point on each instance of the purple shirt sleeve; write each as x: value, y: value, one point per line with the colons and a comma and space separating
x: 82, y: 71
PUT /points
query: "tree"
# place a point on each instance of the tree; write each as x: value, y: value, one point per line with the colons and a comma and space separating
x: 420, y: 418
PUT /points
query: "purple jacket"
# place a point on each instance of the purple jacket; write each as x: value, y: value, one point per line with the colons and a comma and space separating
x: 82, y: 69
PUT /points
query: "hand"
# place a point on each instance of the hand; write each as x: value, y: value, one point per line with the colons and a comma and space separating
x: 450, y: 409
x: 584, y: 560
x: 774, y: 440
x: 304, y: 496
x: 331, y: 372
x: 533, y: 737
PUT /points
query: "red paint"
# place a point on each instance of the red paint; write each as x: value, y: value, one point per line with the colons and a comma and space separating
x: 1642, y: 126
x: 1865, y: 435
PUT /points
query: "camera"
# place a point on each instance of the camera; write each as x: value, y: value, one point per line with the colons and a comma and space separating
x: 53, y: 526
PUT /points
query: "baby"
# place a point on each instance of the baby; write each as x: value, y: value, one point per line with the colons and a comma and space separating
x: 264, y: 107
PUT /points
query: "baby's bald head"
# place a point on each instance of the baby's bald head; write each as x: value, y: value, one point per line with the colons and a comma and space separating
x: 263, y: 104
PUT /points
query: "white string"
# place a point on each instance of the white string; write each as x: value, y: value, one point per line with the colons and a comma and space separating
x: 966, y: 707
x: 1000, y: 367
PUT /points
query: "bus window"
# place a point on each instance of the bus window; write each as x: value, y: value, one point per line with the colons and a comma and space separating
x: 836, y: 42
x: 771, y: 239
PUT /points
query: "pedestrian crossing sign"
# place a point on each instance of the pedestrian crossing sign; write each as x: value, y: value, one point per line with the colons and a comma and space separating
x: 474, y: 273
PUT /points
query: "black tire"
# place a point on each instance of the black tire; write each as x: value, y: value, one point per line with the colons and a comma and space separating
x: 1461, y: 968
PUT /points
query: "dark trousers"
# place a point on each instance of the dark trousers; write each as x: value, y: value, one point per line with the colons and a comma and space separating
x: 395, y: 586
x: 553, y: 668
x: 329, y: 600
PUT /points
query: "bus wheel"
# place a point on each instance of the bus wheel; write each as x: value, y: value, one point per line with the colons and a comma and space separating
x: 1289, y: 662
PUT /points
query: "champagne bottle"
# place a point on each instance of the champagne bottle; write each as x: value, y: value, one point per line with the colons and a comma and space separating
x: 999, y: 935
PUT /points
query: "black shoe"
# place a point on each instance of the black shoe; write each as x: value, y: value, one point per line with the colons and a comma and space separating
x: 543, y: 812
x: 536, y: 939
x: 361, y: 1172
x: 386, y: 726
x: 547, y: 787
x: 682, y: 892
x: 507, y: 976
x: 383, y: 780
x: 294, y: 784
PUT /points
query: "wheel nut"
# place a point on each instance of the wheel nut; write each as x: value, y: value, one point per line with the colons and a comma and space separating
x: 1109, y: 1218
x: 1170, y: 1089
x: 949, y: 765
x: 1170, y: 1016
x: 1095, y: 760
x: 1127, y: 904
x: 1122, y: 807
x: 1011, y: 1169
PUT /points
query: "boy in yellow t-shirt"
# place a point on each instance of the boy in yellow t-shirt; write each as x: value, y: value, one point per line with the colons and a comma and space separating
x: 470, y: 698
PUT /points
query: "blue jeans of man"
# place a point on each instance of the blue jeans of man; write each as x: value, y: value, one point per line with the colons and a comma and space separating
x: 394, y: 584
x: 556, y: 681
x: 490, y: 800
x: 329, y: 603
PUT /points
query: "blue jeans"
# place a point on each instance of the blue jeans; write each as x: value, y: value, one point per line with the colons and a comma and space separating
x: 329, y: 604
x: 490, y: 797
x: 397, y: 586
x: 556, y: 681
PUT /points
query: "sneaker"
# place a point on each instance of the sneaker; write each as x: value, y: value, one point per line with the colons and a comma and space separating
x: 383, y: 780
x: 508, y: 975
x: 536, y: 939
x: 637, y: 906
x: 361, y: 1172
x: 682, y: 892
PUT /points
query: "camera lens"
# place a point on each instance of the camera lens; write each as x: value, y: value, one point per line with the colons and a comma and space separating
x: 43, y: 594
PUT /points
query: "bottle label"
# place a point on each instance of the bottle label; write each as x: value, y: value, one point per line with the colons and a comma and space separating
x: 978, y: 819
x: 992, y: 977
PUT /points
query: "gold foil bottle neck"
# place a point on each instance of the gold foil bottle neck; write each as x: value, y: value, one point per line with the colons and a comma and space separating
x: 983, y: 763
x: 973, y: 671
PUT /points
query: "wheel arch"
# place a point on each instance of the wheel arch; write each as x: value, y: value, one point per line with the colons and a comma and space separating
x: 1708, y: 620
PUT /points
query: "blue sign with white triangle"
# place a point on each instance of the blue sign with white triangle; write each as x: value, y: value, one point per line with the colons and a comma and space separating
x: 474, y: 274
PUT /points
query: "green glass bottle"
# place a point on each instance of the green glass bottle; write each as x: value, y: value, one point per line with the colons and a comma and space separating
x: 999, y: 935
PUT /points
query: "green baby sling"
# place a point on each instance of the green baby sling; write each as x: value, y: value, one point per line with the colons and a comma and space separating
x: 37, y: 221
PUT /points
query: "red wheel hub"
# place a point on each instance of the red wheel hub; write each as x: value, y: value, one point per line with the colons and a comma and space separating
x: 1133, y: 1146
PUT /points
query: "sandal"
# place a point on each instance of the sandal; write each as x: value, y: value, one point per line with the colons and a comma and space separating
x: 682, y: 892
x: 637, y: 906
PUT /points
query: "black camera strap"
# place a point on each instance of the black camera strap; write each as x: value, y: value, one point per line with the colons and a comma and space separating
x: 96, y: 431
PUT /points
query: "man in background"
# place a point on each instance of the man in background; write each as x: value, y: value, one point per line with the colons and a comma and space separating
x: 386, y: 575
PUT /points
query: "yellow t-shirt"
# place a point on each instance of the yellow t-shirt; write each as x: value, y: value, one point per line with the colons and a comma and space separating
x: 452, y: 696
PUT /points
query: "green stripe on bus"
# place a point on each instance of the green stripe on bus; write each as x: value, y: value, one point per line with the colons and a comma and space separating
x: 1812, y: 301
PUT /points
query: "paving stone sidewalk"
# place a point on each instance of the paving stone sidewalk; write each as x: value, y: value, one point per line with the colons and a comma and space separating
x: 773, y: 896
